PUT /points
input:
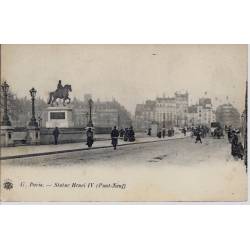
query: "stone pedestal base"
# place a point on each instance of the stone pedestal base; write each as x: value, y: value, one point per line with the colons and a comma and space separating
x: 6, y: 139
x: 60, y: 117
x: 33, y: 137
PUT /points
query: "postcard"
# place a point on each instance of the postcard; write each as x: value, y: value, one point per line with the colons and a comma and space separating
x: 123, y: 123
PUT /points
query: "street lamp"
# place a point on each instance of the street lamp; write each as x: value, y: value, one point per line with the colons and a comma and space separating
x: 6, y: 120
x: 90, y: 123
x: 185, y: 117
x: 118, y: 120
x: 33, y: 121
x: 87, y: 118
x: 40, y: 121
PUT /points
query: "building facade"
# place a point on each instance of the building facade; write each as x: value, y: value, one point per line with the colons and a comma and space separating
x: 144, y: 115
x: 228, y: 115
x: 201, y: 113
x: 174, y: 111
x: 104, y: 114
x: 192, y: 115
x: 165, y: 111
x: 181, y: 100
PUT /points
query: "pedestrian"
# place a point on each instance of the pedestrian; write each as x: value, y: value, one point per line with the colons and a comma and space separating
x: 234, y: 144
x: 121, y: 132
x: 56, y: 133
x: 198, y: 137
x: 184, y: 131
x: 159, y: 134
x: 169, y: 132
x: 172, y: 132
x: 149, y: 131
x: 163, y: 133
x: 240, y: 151
x: 131, y: 135
x: 90, y: 137
x: 235, y: 138
x: 114, y: 137
x: 125, y: 138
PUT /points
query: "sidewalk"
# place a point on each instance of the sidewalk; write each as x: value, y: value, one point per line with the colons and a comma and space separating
x: 38, y: 150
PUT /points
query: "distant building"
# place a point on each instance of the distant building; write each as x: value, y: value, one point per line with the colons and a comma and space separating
x: 201, y: 113
x: 104, y: 114
x: 228, y: 115
x: 140, y: 123
x: 165, y: 111
x: 181, y: 100
x: 174, y: 111
x: 206, y: 115
x: 192, y: 115
x: 144, y: 115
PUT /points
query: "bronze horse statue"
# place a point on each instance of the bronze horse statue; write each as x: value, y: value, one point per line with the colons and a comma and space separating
x: 60, y: 93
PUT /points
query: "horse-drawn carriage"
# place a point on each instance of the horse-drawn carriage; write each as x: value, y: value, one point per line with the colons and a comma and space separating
x: 218, y: 133
x: 216, y: 130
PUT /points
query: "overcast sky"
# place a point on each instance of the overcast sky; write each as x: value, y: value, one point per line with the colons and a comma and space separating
x: 129, y: 73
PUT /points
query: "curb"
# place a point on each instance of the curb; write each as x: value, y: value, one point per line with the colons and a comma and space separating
x: 79, y: 149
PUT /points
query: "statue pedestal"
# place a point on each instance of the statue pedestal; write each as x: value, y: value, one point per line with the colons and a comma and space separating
x: 60, y: 117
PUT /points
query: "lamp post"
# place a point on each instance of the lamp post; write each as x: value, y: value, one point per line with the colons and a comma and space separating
x: 164, y: 121
x: 185, y: 117
x: 6, y: 120
x: 33, y: 121
x: 87, y: 118
x: 177, y: 121
x: 90, y: 123
x: 40, y: 121
x: 118, y: 121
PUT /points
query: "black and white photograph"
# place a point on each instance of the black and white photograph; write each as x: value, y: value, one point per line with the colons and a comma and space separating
x: 123, y: 123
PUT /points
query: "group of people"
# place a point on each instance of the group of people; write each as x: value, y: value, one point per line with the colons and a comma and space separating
x: 202, y: 131
x: 199, y: 132
x: 162, y: 133
x: 127, y: 134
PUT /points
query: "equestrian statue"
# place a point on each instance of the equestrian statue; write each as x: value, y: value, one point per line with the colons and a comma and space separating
x: 62, y: 92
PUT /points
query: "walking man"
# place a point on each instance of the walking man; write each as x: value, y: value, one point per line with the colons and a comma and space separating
x: 131, y: 134
x: 234, y: 144
x: 198, y: 137
x: 149, y: 131
x: 56, y: 134
x: 184, y: 131
x: 114, y: 137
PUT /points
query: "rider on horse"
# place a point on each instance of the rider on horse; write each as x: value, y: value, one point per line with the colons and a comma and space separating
x: 59, y: 85
x: 62, y: 92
